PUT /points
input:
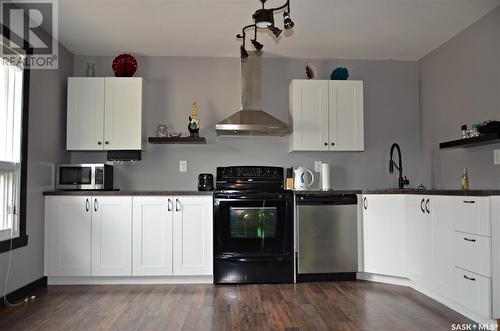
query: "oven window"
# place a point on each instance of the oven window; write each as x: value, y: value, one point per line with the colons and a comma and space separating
x: 253, y: 222
x: 75, y: 175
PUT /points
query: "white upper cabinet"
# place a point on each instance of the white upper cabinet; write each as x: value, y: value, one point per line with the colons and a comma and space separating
x: 193, y: 236
x: 112, y: 236
x: 326, y: 115
x: 346, y: 132
x: 85, y: 118
x: 104, y: 113
x: 122, y: 116
x: 309, y: 113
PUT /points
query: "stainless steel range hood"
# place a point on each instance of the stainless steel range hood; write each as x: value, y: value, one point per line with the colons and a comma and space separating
x: 251, y: 120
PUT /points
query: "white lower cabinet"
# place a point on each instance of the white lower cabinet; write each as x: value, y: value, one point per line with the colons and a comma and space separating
x: 383, y: 234
x: 448, y: 247
x: 68, y: 222
x: 112, y: 236
x: 124, y: 236
x: 152, y: 236
x: 193, y: 240
x: 473, y: 291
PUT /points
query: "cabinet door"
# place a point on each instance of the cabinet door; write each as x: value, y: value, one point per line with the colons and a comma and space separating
x: 123, y: 116
x: 419, y: 227
x: 346, y: 131
x: 152, y: 236
x: 111, y: 236
x: 309, y: 113
x: 383, y: 239
x: 85, y: 114
x: 67, y: 236
x: 442, y: 251
x: 193, y: 239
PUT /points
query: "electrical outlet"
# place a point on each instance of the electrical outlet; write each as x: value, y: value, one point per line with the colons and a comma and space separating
x: 496, y: 157
x: 317, y: 166
x: 183, y: 166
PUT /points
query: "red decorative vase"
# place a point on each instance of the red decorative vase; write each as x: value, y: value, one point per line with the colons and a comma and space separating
x: 124, y: 65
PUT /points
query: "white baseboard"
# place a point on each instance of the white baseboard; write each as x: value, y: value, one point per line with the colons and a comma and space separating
x: 383, y: 279
x: 447, y: 302
x: 57, y: 280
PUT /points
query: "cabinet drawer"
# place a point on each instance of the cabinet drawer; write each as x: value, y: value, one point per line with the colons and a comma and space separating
x: 473, y: 253
x: 473, y: 215
x: 473, y: 291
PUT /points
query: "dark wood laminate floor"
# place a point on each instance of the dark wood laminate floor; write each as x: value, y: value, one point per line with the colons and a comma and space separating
x: 309, y: 306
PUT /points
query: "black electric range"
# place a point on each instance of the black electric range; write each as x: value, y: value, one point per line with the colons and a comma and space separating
x: 253, y: 226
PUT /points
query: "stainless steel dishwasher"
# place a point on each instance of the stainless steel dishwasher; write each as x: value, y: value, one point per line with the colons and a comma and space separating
x: 327, y: 240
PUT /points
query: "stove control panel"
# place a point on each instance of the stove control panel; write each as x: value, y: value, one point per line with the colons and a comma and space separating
x: 250, y: 172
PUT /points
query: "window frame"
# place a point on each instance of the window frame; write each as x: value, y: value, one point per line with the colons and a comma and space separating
x: 22, y: 239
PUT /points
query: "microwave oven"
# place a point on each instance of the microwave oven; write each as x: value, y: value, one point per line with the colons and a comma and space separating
x: 92, y: 176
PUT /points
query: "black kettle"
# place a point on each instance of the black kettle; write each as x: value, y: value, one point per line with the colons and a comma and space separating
x: 205, y: 182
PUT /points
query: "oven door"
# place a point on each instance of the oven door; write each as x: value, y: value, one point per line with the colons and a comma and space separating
x: 75, y: 177
x: 253, y: 225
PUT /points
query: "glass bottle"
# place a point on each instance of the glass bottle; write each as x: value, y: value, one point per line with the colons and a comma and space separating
x: 90, y: 69
x: 464, y: 183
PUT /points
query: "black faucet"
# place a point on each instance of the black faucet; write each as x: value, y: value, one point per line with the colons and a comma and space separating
x: 402, y: 181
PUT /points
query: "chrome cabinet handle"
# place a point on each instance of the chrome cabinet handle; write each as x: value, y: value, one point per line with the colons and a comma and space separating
x: 469, y: 201
x: 422, y: 206
x: 471, y: 240
x: 177, y: 204
x: 87, y: 205
x: 470, y: 278
x: 96, y: 205
x: 169, y: 206
x: 427, y: 206
x: 365, y: 203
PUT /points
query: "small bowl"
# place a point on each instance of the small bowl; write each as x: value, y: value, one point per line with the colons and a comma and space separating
x: 175, y: 134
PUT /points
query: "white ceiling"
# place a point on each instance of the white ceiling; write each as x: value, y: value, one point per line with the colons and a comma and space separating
x: 350, y: 29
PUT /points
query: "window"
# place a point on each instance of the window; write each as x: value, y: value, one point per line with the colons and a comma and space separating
x: 11, y: 109
x: 14, y: 101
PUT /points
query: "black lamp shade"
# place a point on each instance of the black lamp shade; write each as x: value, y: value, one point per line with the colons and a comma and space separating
x: 276, y: 31
x: 288, y: 23
x: 263, y: 18
x: 243, y: 52
x: 258, y: 46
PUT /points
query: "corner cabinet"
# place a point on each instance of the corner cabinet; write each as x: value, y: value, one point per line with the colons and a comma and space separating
x: 128, y: 236
x: 104, y: 113
x: 326, y: 115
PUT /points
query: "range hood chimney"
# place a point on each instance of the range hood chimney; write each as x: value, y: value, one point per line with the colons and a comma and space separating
x: 251, y: 120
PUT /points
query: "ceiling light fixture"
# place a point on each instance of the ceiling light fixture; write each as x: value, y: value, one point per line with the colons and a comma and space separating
x: 264, y: 19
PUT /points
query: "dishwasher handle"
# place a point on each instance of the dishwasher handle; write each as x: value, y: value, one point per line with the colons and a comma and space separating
x: 331, y: 199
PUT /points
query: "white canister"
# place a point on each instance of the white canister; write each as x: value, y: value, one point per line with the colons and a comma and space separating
x: 325, y: 176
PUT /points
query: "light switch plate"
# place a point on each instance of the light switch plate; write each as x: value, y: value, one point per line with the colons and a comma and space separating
x: 496, y: 157
x: 183, y: 166
x: 317, y: 166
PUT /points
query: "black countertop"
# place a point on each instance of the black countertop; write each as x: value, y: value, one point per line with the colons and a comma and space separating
x: 480, y: 193
x: 126, y: 192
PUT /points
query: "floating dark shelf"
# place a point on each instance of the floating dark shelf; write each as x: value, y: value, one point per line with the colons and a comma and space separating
x: 177, y: 140
x: 491, y: 138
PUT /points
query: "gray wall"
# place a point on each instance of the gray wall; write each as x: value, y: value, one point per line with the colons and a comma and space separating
x: 172, y: 83
x: 460, y: 84
x: 46, y: 147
